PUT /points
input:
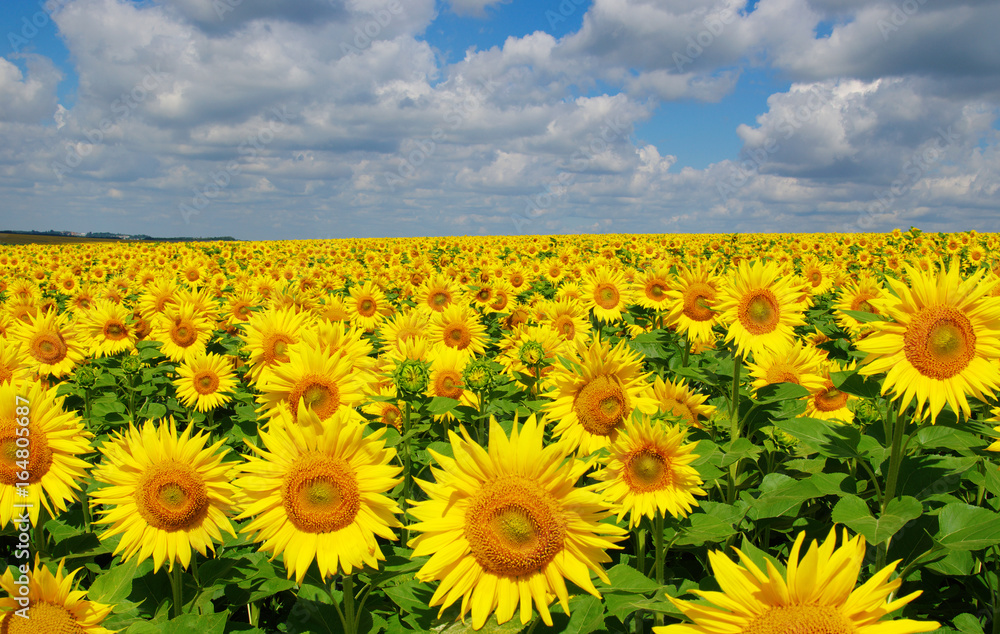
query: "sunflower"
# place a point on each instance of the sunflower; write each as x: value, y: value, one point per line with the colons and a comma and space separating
x: 531, y: 348
x: 314, y: 379
x: 567, y: 317
x: 206, y: 381
x: 268, y: 335
x: 365, y: 305
x: 166, y: 493
x: 827, y: 402
x: 157, y: 297
x: 942, y: 345
x: 446, y: 380
x: 108, y: 327
x: 651, y: 289
x: 183, y: 331
x: 817, y: 594
x: 53, y: 606
x: 649, y: 472
x: 505, y: 526
x: 410, y: 324
x: 606, y: 293
x: 792, y: 362
x: 864, y: 294
x: 52, y: 343
x: 458, y: 327
x: 818, y: 276
x: 385, y: 409
x: 760, y: 306
x: 315, y: 492
x: 693, y: 303
x: 678, y: 400
x: 436, y: 294
x: 240, y: 307
x: 593, y: 397
x: 56, y: 439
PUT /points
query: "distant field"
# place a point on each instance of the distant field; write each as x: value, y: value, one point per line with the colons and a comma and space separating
x: 22, y: 238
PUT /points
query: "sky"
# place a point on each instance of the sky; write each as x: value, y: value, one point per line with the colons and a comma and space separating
x: 301, y: 119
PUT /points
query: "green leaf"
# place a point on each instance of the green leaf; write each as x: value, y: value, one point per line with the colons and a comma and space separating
x: 853, y: 512
x: 705, y: 528
x: 966, y: 527
x: 113, y: 586
x: 153, y: 411
x: 782, y: 495
x: 441, y: 405
x: 184, y: 624
x: 819, y: 436
x: 863, y: 317
x: 586, y: 615
x: 781, y: 392
x: 968, y: 623
x: 856, y: 384
x: 627, y: 579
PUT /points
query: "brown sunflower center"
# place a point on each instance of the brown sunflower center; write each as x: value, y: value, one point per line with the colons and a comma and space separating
x: 42, y: 618
x: 781, y: 373
x: 606, y: 296
x: 115, y: 330
x: 36, y: 453
x: 206, y: 382
x: 457, y: 336
x: 275, y: 348
x: 830, y: 400
x: 656, y: 290
x: 862, y: 304
x: 392, y: 416
x: 439, y: 299
x: 940, y: 342
x: 800, y: 619
x: 184, y: 333
x: 514, y: 527
x: 447, y: 383
x: 646, y: 470
x: 676, y: 408
x: 48, y: 347
x: 758, y: 311
x: 366, y: 307
x: 815, y: 277
x: 601, y: 405
x: 172, y: 496
x: 698, y: 298
x: 563, y: 324
x: 316, y: 392
x: 320, y: 494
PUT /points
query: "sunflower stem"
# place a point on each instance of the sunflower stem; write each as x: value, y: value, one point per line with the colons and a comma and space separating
x: 177, y: 587
x: 85, y: 501
x: 350, y: 624
x: 407, y: 464
x: 640, y: 550
x: 660, y: 556
x: 895, y: 461
x: 734, y: 406
x: 38, y: 533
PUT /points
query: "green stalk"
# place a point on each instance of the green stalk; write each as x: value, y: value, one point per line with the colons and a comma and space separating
x: 660, y: 556
x: 38, y: 533
x: 895, y: 461
x: 734, y: 405
x: 407, y: 465
x: 177, y: 586
x: 351, y: 625
x: 640, y: 550
x: 85, y: 501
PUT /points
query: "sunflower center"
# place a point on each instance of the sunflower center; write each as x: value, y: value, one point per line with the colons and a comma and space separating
x: 115, y: 330
x: 514, y: 527
x: 49, y: 348
x: 275, y: 348
x: 606, y: 296
x: 184, y: 333
x: 800, y: 619
x: 830, y: 400
x: 758, y: 312
x: 862, y: 304
x: 320, y: 494
x: 601, y: 405
x: 439, y: 300
x: 939, y: 342
x: 172, y: 496
x: 447, y: 383
x: 316, y: 392
x: 646, y: 470
x: 43, y: 618
x: 392, y: 416
x: 815, y: 277
x: 206, y: 382
x: 781, y: 373
x: 37, y: 454
x: 656, y: 291
x: 564, y: 326
x: 366, y: 308
x: 698, y: 299
x: 676, y: 408
x: 457, y: 336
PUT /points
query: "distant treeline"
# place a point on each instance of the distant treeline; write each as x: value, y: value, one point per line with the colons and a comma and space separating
x: 116, y: 236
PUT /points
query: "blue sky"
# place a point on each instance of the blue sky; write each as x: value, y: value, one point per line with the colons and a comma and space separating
x: 268, y: 120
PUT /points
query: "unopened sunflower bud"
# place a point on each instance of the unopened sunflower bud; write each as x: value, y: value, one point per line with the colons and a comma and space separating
x: 479, y: 375
x: 131, y: 364
x: 411, y: 376
x: 86, y: 378
x: 532, y: 354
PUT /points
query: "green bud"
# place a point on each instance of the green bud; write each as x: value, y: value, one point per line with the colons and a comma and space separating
x: 86, y: 378
x: 411, y: 376
x: 532, y: 354
x: 131, y: 364
x: 479, y: 375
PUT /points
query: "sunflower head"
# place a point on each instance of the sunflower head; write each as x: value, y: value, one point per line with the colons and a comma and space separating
x: 51, y: 605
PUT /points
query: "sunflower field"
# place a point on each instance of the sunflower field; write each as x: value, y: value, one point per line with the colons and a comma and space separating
x: 717, y: 434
